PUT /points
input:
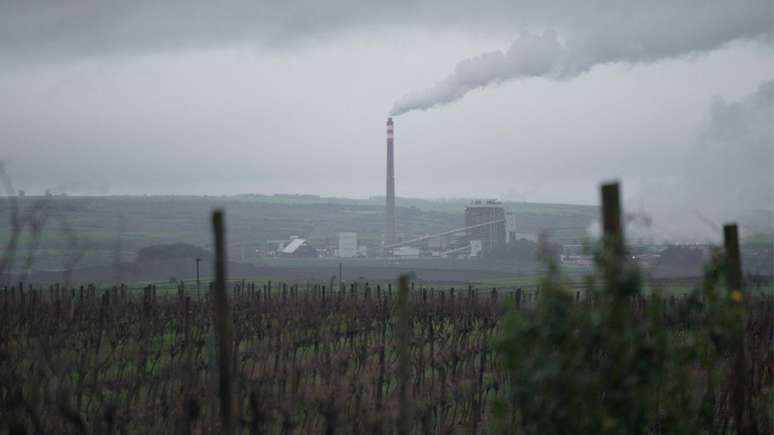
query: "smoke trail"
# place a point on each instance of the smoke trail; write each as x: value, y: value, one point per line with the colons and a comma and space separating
x: 728, y: 177
x: 531, y: 55
x: 628, y: 38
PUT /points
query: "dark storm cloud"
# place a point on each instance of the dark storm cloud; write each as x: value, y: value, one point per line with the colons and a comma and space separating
x: 596, y: 31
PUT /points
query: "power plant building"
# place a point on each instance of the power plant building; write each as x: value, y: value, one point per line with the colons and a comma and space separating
x: 510, y: 228
x: 481, y: 212
x: 347, y: 245
x: 298, y: 248
x: 486, y: 224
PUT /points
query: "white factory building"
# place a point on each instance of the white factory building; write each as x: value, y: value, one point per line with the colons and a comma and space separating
x: 347, y: 245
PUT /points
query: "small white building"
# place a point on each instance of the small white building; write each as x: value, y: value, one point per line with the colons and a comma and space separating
x: 298, y: 248
x: 347, y: 245
x: 475, y: 248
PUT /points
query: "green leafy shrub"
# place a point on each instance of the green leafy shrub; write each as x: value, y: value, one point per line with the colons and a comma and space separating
x: 616, y: 362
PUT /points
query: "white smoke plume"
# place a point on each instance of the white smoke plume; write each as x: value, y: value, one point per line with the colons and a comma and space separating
x: 729, y: 177
x: 632, y: 36
x: 530, y: 56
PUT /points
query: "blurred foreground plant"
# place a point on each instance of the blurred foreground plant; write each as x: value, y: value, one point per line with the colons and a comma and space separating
x: 617, y: 362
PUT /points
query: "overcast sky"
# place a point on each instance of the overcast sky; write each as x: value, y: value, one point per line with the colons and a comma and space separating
x: 511, y: 99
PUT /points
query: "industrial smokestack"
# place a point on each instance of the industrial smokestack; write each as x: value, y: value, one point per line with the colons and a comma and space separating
x: 390, y: 230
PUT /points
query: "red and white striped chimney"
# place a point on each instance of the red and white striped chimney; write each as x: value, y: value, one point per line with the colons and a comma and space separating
x: 390, y: 226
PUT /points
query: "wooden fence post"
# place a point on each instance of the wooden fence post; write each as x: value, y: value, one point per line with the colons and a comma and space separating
x: 612, y: 228
x: 222, y: 325
x: 613, y: 247
x: 740, y: 394
x: 733, y: 260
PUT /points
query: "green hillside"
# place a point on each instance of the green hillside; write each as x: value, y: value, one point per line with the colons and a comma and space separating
x: 103, y: 229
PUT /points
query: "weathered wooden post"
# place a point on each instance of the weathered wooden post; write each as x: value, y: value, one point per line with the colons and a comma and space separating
x: 222, y: 325
x: 739, y: 394
x: 612, y: 228
x: 613, y: 250
x: 733, y: 260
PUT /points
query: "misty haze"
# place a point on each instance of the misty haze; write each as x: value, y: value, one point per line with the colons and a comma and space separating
x: 400, y: 217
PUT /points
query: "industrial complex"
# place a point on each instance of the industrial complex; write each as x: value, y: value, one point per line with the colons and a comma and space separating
x: 487, y: 225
